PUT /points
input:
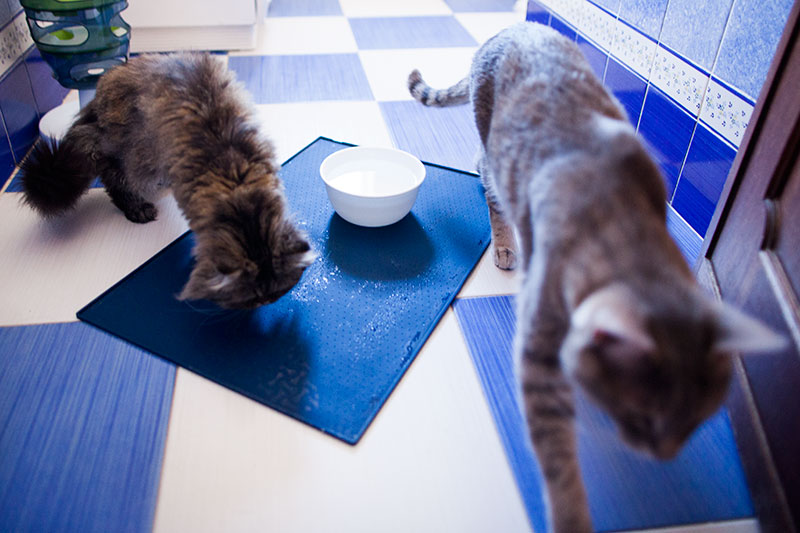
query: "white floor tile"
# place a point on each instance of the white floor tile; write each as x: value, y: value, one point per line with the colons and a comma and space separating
x: 389, y: 8
x: 482, y: 26
x: 292, y: 126
x: 488, y: 280
x: 49, y: 269
x: 388, y: 70
x: 431, y: 460
x: 303, y: 35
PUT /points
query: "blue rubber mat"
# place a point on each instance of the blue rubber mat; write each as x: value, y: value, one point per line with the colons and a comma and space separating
x: 330, y: 351
x: 626, y: 490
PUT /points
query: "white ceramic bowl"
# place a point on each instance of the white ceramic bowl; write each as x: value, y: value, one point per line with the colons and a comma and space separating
x: 372, y: 186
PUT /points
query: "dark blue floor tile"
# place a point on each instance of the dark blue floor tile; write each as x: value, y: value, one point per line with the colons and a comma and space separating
x: 596, y: 57
x: 626, y: 490
x: 627, y: 86
x: 563, y: 28
x: 668, y: 130
x: 409, y: 32
x: 299, y: 78
x: 18, y: 107
x: 47, y: 92
x: 445, y: 136
x: 304, y: 8
x: 83, y: 422
x: 537, y: 13
x: 459, y: 6
x: 707, y: 166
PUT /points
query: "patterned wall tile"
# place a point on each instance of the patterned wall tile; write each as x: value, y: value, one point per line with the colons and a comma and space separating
x: 593, y: 22
x: 679, y: 79
x: 634, y: 49
x: 752, y: 34
x: 725, y: 112
x: 694, y: 29
x: 14, y: 41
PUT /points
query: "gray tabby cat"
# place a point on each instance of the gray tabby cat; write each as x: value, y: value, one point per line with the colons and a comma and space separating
x: 607, y: 302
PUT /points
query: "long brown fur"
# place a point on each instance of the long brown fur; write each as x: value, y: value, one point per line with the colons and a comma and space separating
x: 181, y: 122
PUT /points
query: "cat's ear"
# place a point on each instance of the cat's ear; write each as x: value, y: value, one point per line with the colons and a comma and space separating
x: 610, y: 317
x: 737, y: 332
x: 204, y: 282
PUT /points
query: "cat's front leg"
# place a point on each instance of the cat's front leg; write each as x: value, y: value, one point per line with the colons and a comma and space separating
x: 503, y: 238
x: 550, y: 413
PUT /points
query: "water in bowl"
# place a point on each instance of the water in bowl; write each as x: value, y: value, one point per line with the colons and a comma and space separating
x: 375, y: 178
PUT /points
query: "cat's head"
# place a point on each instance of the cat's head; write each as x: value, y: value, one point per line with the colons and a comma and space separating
x: 658, y: 369
x: 248, y: 252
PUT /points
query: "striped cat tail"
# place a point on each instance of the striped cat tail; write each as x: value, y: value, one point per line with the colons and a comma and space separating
x: 456, y: 95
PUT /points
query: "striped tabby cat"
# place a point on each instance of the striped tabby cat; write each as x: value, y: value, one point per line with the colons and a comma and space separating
x: 608, y: 302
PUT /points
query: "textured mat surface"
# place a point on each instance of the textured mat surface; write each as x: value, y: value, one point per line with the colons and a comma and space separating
x: 83, y: 420
x: 627, y: 490
x: 329, y: 352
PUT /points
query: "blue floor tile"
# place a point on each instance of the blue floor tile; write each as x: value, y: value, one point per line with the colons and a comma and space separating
x: 480, y: 5
x: 668, y: 130
x: 596, y: 57
x: 707, y: 166
x: 299, y: 78
x: 304, y: 8
x: 445, y: 136
x: 409, y: 32
x: 626, y: 490
x: 628, y: 87
x: 83, y: 422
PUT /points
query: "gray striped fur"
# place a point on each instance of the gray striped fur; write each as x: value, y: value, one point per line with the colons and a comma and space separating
x: 607, y: 301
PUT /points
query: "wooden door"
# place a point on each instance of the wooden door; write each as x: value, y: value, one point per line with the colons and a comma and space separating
x: 751, y: 257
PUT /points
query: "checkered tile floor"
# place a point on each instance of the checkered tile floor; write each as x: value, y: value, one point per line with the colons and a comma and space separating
x: 210, y: 459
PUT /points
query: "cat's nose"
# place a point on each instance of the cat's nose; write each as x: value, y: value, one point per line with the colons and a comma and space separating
x: 667, y: 449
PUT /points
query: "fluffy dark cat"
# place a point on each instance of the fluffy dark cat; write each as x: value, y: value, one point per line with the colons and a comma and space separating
x: 181, y: 122
x: 607, y: 302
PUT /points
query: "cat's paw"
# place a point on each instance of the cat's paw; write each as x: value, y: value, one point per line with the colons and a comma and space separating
x: 141, y: 214
x: 505, y: 258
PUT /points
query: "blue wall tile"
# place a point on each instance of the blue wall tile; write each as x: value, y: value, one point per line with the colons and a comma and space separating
x: 668, y: 130
x: 561, y: 27
x: 694, y: 29
x: 18, y: 108
x: 596, y: 57
x: 46, y: 90
x: 6, y: 158
x: 703, y: 176
x: 612, y: 6
x: 304, y: 8
x: 409, y: 32
x: 537, y: 13
x: 6, y: 14
x: 751, y: 37
x: 298, y: 78
x: 687, y: 239
x: 645, y: 15
x: 480, y: 5
x: 627, y: 86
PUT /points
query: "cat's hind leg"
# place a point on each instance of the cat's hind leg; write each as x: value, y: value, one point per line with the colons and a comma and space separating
x: 134, y: 206
x: 503, y: 237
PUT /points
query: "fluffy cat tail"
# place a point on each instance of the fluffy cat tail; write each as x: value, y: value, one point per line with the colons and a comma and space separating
x: 55, y: 175
x: 456, y: 95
